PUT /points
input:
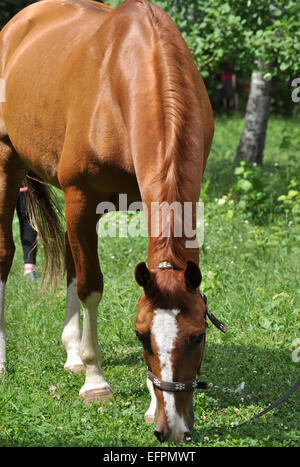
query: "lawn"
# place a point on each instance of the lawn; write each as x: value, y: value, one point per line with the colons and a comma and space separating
x: 251, y: 279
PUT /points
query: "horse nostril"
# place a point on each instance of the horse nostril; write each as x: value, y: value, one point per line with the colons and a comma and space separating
x: 158, y: 435
x: 161, y: 436
x: 187, y: 437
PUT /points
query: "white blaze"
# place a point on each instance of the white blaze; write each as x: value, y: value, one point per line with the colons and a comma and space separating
x: 164, y: 329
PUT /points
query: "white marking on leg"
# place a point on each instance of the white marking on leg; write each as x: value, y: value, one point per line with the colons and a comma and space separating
x: 89, y: 348
x: 71, y: 334
x: 164, y: 330
x: 2, y: 90
x: 150, y: 414
x: 2, y: 330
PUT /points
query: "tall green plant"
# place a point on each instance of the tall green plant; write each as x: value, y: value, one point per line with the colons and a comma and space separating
x: 243, y: 32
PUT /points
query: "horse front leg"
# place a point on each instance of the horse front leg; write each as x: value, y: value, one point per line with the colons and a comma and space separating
x: 2, y: 330
x: 71, y: 334
x: 150, y: 414
x: 12, y: 173
x: 81, y: 221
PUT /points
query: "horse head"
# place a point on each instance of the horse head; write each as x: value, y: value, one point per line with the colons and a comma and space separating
x: 171, y: 326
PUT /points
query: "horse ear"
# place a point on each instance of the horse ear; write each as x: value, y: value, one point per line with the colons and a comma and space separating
x: 142, y: 275
x: 192, y: 275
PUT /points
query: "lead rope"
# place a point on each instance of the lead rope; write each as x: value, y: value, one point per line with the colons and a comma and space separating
x: 223, y: 328
x: 268, y: 409
x: 275, y: 404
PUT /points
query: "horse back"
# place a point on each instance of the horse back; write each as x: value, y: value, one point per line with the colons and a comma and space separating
x: 88, y: 85
x: 40, y: 63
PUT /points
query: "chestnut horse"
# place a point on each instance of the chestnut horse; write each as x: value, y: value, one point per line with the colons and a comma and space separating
x: 98, y: 102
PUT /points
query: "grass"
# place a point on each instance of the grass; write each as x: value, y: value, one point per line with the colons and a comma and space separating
x: 251, y: 278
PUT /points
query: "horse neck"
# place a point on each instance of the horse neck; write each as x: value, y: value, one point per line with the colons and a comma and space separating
x: 173, y: 250
x: 169, y: 183
x: 172, y: 225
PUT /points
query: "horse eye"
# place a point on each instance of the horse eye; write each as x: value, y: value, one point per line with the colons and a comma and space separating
x: 197, y: 339
x: 139, y: 335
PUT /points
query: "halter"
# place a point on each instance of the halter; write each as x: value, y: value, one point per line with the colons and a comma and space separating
x: 184, y: 386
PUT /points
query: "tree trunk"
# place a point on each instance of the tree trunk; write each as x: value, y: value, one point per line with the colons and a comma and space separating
x: 252, y: 142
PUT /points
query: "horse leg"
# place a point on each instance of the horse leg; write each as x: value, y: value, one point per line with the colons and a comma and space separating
x: 81, y: 222
x: 71, y: 334
x: 12, y: 172
x: 2, y: 331
x: 150, y: 414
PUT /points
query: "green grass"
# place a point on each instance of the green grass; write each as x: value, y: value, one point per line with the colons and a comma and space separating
x: 251, y: 278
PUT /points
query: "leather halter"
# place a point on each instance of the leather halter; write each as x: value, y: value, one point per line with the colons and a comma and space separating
x: 178, y: 386
x: 165, y: 265
x: 184, y: 386
x: 194, y: 384
x: 222, y: 327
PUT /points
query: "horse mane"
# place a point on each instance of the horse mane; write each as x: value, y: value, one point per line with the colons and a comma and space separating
x: 180, y: 110
x: 177, y: 89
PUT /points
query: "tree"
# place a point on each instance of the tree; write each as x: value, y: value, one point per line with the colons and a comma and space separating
x: 279, y: 37
x: 260, y: 37
x: 252, y: 141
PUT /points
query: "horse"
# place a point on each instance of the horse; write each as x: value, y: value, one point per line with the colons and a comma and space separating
x: 99, y: 102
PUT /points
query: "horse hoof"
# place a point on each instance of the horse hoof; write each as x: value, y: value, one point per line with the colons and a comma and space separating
x: 149, y: 419
x: 96, y: 395
x: 77, y: 369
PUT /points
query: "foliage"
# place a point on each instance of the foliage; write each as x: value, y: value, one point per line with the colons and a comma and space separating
x: 9, y: 8
x: 255, y: 197
x: 253, y: 200
x: 290, y: 203
x: 236, y: 31
x: 243, y: 33
x: 258, y: 188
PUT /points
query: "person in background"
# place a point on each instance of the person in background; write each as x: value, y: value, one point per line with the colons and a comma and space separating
x: 228, y: 84
x: 28, y: 238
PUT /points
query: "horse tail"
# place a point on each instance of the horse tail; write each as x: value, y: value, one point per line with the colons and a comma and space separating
x: 45, y: 216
